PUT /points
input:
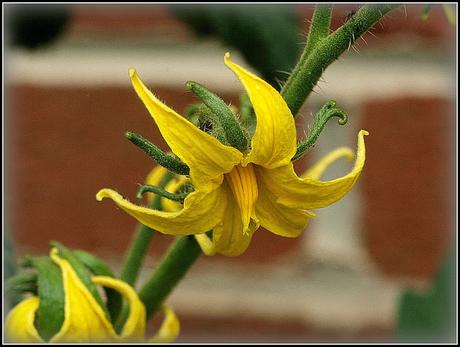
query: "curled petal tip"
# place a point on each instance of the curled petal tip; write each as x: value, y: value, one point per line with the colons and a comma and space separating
x: 364, y: 132
x: 101, y: 194
x: 227, y: 59
x: 132, y: 72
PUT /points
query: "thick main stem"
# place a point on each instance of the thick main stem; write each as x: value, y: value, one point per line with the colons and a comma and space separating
x: 311, y: 66
x: 136, y: 254
x: 181, y: 256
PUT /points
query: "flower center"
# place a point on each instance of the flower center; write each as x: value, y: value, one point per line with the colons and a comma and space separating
x: 242, y: 181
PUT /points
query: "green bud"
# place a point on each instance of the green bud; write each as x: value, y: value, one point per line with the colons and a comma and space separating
x: 81, y: 272
x: 223, y: 116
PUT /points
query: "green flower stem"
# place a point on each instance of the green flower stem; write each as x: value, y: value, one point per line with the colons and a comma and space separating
x: 130, y: 272
x: 326, y: 50
x: 136, y: 254
x: 141, y: 241
x: 180, y: 257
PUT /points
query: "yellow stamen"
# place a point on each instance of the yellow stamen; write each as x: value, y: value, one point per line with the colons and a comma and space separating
x: 242, y: 181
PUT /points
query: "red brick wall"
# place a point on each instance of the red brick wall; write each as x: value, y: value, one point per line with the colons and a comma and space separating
x: 409, y: 184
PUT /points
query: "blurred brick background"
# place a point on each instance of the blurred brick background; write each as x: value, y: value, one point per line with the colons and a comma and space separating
x: 64, y: 141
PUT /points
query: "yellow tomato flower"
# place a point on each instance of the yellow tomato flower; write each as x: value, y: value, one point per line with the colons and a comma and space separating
x: 84, y: 319
x: 237, y: 192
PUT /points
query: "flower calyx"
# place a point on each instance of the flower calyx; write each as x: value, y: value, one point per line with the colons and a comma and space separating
x: 221, y: 117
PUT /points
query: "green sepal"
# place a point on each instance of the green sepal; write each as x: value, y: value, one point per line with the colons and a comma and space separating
x: 168, y: 161
x: 162, y: 192
x: 247, y: 116
x: 100, y: 268
x: 209, y: 123
x: 192, y: 114
x: 22, y: 283
x: 26, y: 262
x: 50, y: 314
x: 97, y: 266
x: 327, y: 111
x: 81, y: 271
x: 224, y: 117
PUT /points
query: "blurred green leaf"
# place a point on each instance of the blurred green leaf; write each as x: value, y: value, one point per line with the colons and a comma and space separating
x: 266, y: 35
x: 430, y: 317
x: 10, y: 269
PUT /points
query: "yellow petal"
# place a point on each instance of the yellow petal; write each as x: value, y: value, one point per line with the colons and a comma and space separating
x: 230, y: 237
x: 309, y: 193
x: 274, y: 140
x: 243, y: 184
x: 155, y: 176
x: 169, y: 330
x: 134, y: 328
x: 277, y: 218
x: 84, y: 321
x: 206, y: 244
x: 206, y: 157
x: 201, y: 212
x: 316, y: 171
x: 173, y: 187
x: 20, y: 322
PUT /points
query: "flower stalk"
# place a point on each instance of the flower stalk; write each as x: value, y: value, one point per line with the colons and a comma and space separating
x: 163, y: 279
x: 180, y: 257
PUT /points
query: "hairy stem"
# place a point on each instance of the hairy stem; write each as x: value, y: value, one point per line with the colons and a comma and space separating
x: 312, y: 65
